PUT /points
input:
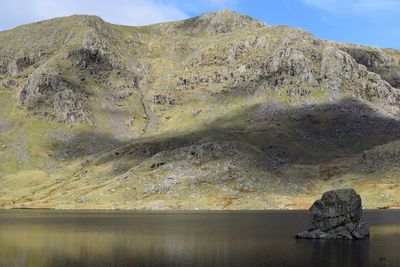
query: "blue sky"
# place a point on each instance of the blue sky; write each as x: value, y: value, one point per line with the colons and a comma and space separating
x: 370, y: 22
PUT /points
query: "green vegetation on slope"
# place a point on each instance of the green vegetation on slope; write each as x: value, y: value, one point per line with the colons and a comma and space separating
x: 215, y: 112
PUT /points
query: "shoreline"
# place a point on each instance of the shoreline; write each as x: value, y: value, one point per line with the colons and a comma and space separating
x: 180, y: 210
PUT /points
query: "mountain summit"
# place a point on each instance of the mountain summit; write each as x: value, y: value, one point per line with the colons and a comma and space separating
x: 221, y: 22
x: 220, y: 111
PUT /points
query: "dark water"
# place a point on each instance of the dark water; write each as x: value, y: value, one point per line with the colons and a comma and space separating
x: 70, y: 238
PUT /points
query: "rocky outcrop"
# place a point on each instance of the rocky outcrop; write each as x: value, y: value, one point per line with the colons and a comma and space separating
x: 9, y: 84
x: 41, y: 83
x: 86, y: 58
x: 342, y: 74
x: 374, y: 89
x: 378, y: 61
x: 19, y: 64
x: 370, y: 58
x: 221, y: 22
x: 337, y: 68
x: 287, y: 66
x: 3, y: 67
x: 379, y: 157
x: 160, y: 99
x: 337, y: 215
x: 391, y: 75
x: 45, y: 89
x: 68, y: 106
x: 100, y: 44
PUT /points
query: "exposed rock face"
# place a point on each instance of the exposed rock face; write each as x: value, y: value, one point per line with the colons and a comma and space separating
x: 377, y: 61
x: 20, y: 63
x: 41, y: 83
x: 391, y: 75
x: 338, y: 67
x: 87, y: 57
x: 341, y: 74
x: 163, y: 100
x: 68, y: 106
x: 222, y: 22
x: 52, y: 91
x: 375, y: 89
x: 337, y: 215
x: 371, y: 58
x: 288, y: 64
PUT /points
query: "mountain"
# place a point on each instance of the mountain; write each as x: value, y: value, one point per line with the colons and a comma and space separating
x: 219, y: 111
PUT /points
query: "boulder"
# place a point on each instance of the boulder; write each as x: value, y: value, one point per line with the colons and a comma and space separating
x: 337, y: 215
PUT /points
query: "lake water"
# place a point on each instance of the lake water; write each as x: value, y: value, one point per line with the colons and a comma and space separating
x: 41, y: 238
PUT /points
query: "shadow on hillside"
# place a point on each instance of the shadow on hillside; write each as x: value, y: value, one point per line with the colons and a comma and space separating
x: 309, y: 135
x: 85, y: 144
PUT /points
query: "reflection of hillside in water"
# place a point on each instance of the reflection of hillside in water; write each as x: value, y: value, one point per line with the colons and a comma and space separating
x: 41, y: 238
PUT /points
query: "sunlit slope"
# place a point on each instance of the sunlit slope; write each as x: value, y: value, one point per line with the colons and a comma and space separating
x: 216, y: 112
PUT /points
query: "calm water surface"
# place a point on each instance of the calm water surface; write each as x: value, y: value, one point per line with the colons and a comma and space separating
x: 71, y: 238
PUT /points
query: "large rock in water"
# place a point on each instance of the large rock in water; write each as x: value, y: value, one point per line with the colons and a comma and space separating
x: 337, y: 215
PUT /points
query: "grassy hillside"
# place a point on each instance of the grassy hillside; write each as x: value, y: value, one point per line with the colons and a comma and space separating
x: 216, y: 112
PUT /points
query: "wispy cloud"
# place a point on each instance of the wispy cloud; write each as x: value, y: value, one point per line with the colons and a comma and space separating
x: 360, y: 7
x: 129, y: 12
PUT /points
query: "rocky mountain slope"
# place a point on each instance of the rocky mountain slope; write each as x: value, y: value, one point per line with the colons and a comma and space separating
x: 220, y: 111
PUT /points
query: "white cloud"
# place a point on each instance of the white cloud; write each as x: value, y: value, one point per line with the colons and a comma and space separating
x: 128, y: 12
x: 366, y: 7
